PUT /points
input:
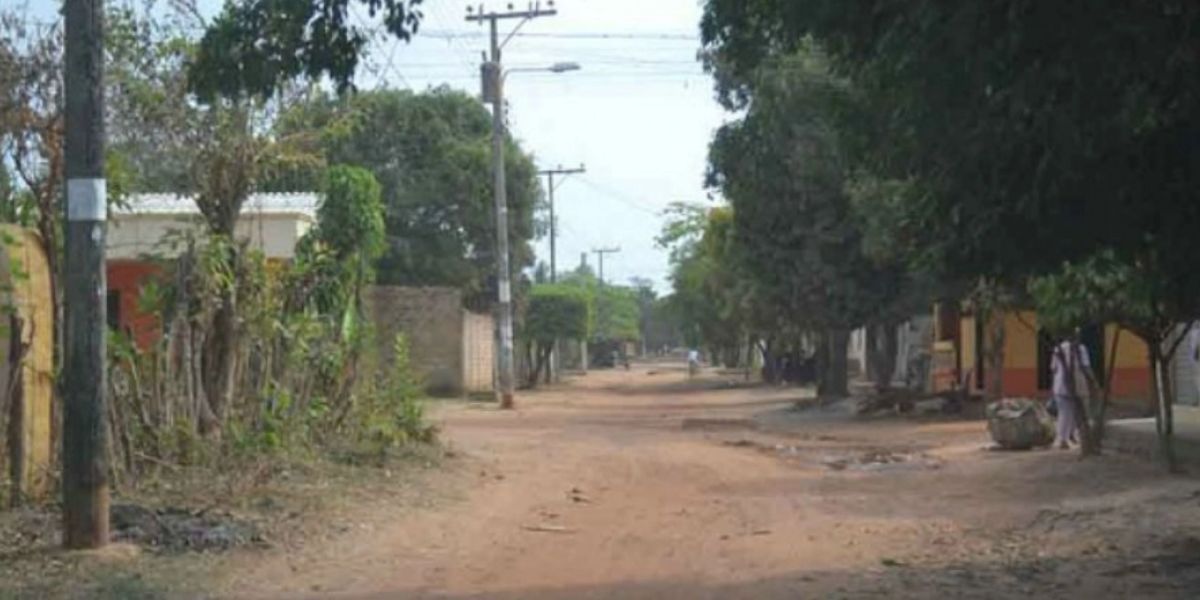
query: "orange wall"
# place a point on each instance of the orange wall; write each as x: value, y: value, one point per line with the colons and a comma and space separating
x: 126, y: 278
x: 1130, y: 378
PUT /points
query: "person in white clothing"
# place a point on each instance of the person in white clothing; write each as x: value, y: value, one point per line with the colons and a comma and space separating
x: 1069, y: 362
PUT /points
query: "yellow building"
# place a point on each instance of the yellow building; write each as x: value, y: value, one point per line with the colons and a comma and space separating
x: 962, y: 340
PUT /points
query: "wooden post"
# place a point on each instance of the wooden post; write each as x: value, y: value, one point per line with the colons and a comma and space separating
x: 85, y: 434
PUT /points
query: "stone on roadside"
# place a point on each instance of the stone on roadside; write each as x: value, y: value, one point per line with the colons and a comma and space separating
x: 1020, y: 424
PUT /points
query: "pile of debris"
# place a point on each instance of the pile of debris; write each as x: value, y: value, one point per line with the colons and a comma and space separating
x: 1020, y: 424
x: 910, y: 402
x: 180, y: 530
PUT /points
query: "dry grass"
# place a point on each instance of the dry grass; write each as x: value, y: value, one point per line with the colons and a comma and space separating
x: 290, y: 502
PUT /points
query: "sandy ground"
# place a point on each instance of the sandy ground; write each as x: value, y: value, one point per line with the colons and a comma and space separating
x: 643, y: 484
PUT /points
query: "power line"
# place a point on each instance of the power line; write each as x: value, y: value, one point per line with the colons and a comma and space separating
x: 682, y: 37
x: 619, y: 197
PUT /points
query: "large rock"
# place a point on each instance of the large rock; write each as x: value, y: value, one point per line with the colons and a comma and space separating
x: 1020, y: 424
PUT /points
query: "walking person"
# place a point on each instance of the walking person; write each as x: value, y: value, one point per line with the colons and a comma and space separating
x: 693, y: 359
x: 1072, y: 371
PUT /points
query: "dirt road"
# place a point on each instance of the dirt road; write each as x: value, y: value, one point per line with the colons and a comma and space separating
x: 642, y: 484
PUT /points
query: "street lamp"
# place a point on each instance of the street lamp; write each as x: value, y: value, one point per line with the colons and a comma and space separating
x: 493, y: 93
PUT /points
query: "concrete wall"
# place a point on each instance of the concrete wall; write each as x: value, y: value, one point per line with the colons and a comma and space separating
x: 432, y: 320
x: 479, y: 353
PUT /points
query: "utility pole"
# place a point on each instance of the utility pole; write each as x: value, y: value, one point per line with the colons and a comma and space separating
x: 600, y: 252
x: 85, y: 435
x: 550, y: 186
x: 493, y: 88
x: 550, y: 173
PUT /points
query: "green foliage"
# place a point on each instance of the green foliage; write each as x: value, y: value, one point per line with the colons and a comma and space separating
x: 387, y: 412
x: 614, y: 310
x: 350, y: 218
x: 431, y: 154
x: 1100, y: 289
x: 557, y: 312
x: 255, y: 46
x: 709, y: 289
x: 786, y: 168
x: 999, y: 121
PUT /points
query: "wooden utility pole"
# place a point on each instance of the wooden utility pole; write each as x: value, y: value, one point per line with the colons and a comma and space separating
x: 550, y: 186
x: 493, y: 92
x: 85, y: 433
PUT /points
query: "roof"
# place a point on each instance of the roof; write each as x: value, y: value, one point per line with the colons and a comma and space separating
x: 283, y: 203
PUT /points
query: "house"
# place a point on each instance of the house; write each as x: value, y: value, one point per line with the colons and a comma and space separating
x: 961, y: 355
x: 914, y: 338
x: 150, y: 227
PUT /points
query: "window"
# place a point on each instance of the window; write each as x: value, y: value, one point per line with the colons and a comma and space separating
x: 114, y: 310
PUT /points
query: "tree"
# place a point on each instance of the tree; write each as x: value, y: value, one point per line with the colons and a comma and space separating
x: 998, y: 121
x: 336, y: 257
x: 256, y: 46
x: 785, y: 167
x: 1103, y: 289
x: 430, y: 153
x: 555, y: 312
x: 706, y: 278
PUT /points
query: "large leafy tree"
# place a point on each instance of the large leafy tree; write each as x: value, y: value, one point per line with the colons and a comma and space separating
x: 709, y: 289
x: 786, y: 166
x: 256, y: 46
x: 555, y: 312
x: 431, y: 154
x: 1022, y: 143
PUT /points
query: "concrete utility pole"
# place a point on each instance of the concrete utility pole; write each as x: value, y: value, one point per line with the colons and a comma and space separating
x: 550, y: 185
x: 85, y: 436
x: 493, y: 91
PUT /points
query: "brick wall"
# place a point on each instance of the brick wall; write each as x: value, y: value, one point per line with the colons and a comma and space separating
x: 432, y: 320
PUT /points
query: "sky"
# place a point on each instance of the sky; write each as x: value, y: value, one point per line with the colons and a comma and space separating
x: 638, y: 115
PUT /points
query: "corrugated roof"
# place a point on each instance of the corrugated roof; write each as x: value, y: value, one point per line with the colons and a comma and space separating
x: 284, y: 203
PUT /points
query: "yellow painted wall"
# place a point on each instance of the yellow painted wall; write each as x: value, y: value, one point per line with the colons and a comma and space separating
x: 21, y: 252
x: 969, y: 346
x: 1020, y: 340
x: 1131, y: 350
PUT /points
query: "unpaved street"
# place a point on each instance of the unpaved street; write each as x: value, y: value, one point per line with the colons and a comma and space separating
x: 642, y: 484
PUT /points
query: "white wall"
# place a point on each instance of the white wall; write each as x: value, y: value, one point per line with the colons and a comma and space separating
x: 136, y: 236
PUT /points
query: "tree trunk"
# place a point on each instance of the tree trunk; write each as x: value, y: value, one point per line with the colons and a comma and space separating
x: 871, y: 352
x: 1087, y: 441
x: 219, y: 368
x: 833, y: 380
x: 770, y: 368
x: 1164, y: 413
x: 995, y: 356
x: 1099, y: 418
x: 891, y: 348
x: 16, y: 412
x: 883, y: 344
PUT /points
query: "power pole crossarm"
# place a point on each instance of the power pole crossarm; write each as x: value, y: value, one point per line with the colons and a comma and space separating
x: 600, y: 252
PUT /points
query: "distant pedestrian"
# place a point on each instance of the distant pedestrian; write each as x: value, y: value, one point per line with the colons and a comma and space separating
x: 1072, y: 371
x: 693, y: 358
